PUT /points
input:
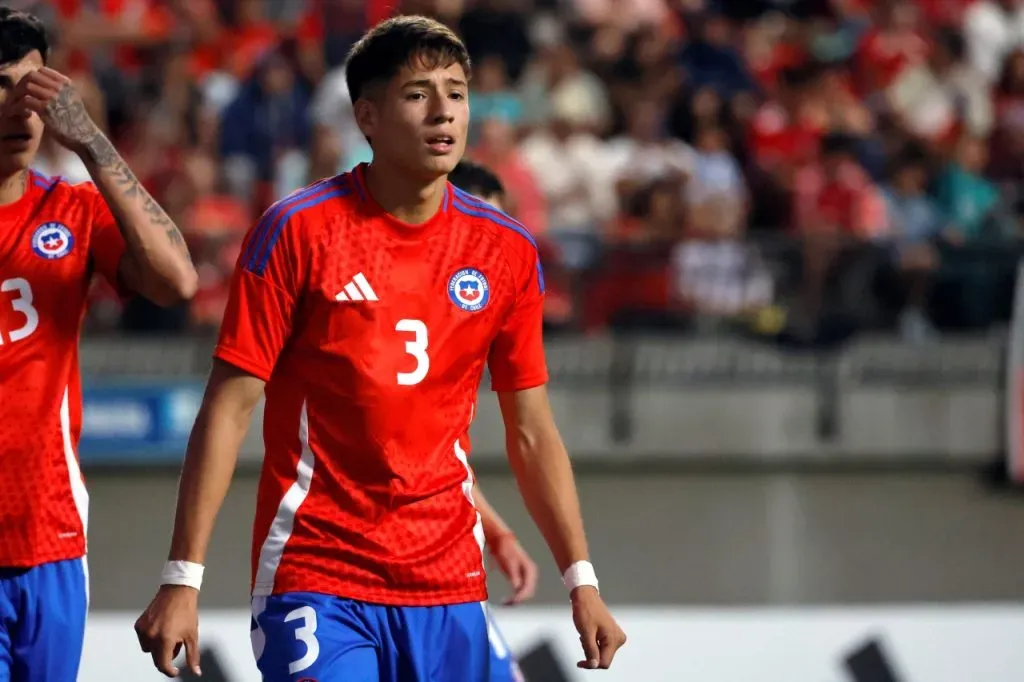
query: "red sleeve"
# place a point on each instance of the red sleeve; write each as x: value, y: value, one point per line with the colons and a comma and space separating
x: 516, y: 358
x: 265, y: 288
x: 106, y: 245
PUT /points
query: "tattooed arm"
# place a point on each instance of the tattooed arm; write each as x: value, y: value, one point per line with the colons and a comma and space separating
x: 156, y: 263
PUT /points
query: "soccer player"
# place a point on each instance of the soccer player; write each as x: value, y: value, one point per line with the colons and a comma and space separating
x: 53, y: 237
x: 366, y: 308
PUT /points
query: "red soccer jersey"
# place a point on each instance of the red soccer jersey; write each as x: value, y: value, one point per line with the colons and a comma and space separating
x: 51, y: 241
x: 373, y: 336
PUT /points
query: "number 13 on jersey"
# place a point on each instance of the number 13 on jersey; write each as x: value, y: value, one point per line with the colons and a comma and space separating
x: 417, y: 348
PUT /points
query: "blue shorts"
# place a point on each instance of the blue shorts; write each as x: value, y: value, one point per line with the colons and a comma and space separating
x: 42, y: 621
x: 304, y: 636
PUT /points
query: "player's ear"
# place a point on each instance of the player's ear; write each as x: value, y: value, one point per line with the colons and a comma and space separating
x: 367, y: 115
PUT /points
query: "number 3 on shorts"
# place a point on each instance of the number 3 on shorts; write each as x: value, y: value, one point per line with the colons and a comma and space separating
x: 305, y: 633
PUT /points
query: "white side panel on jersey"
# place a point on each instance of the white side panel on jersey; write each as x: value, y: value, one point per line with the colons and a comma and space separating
x: 284, y: 520
x: 467, y: 490
x: 78, y: 491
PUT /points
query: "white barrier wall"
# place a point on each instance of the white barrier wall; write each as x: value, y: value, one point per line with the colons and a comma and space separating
x: 921, y: 643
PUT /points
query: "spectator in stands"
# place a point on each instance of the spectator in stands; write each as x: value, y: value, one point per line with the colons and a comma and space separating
x: 914, y: 227
x: 712, y: 60
x: 936, y: 97
x: 893, y: 45
x: 645, y: 154
x: 837, y: 210
x: 338, y: 144
x: 266, y: 131
x: 625, y: 15
x: 498, y: 151
x: 215, y: 224
x: 492, y: 94
x: 966, y: 197
x: 841, y: 109
x: 557, y: 79
x: 993, y: 30
x: 716, y: 191
x: 499, y: 27
x: 783, y: 136
x: 570, y: 165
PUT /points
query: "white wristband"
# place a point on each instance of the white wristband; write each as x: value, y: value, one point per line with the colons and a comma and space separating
x: 182, y: 573
x: 580, y: 574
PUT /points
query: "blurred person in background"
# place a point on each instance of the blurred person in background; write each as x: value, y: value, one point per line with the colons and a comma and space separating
x: 894, y: 44
x: 914, y: 226
x: 962, y: 193
x: 645, y: 153
x: 838, y: 211
x: 1006, y: 145
x: 967, y: 290
x: 492, y: 95
x: 497, y: 149
x: 53, y: 237
x: 715, y: 274
x: 571, y: 168
x: 936, y: 97
x: 215, y: 223
x: 624, y: 15
x: 711, y: 58
x: 337, y: 143
x: 557, y: 79
x: 993, y: 29
x: 265, y: 132
x: 500, y: 28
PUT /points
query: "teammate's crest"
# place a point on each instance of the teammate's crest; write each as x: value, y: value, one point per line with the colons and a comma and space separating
x: 469, y: 290
x: 52, y: 241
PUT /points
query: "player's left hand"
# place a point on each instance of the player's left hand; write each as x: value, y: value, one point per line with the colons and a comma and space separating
x: 517, y: 566
x: 53, y: 96
x: 600, y: 635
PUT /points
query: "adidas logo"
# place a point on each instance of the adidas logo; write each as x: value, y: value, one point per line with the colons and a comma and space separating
x: 358, y: 289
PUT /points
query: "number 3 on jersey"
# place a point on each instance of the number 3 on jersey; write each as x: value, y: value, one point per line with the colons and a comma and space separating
x: 416, y: 347
x: 22, y: 303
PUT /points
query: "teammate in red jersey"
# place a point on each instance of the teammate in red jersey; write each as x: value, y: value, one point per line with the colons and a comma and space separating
x: 53, y: 237
x: 366, y: 307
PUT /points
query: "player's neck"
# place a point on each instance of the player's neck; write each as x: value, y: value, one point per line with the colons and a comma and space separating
x: 410, y: 201
x: 13, y: 187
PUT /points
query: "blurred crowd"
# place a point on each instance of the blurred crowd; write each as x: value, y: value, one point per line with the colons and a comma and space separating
x: 797, y: 168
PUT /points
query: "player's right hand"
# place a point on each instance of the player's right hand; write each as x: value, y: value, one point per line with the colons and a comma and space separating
x: 169, y: 622
x: 600, y: 635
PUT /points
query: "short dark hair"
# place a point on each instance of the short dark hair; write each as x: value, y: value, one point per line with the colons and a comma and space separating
x: 20, y: 33
x: 398, y: 42
x: 476, y: 179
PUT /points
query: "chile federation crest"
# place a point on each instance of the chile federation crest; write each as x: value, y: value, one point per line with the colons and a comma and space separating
x: 52, y: 241
x: 468, y: 290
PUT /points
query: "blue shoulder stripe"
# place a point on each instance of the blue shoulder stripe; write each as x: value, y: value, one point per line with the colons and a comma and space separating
x: 258, y: 263
x: 44, y: 181
x: 269, y: 219
x: 469, y: 205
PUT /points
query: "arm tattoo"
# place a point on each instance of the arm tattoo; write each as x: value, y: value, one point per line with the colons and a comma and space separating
x: 105, y: 156
x: 67, y: 114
